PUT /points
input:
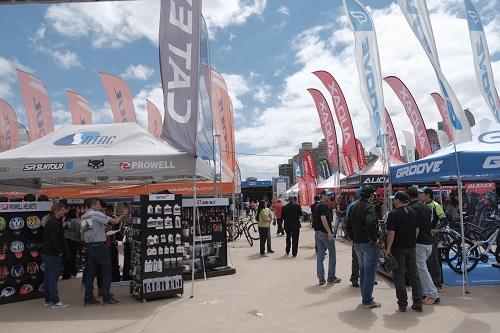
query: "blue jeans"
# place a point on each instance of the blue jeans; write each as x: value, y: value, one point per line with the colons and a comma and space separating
x: 52, y: 270
x: 98, y: 258
x: 322, y: 244
x: 368, y: 258
x: 339, y: 221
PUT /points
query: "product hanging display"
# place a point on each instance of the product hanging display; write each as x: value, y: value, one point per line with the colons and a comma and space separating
x: 158, y: 248
x: 21, y: 269
x: 211, y: 244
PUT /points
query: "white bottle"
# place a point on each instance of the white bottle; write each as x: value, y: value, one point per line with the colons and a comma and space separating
x: 159, y: 223
x: 178, y: 239
x: 177, y: 209
x: 168, y: 223
x: 158, y: 209
x: 163, y: 238
x: 178, y: 224
x: 160, y: 251
x: 150, y: 209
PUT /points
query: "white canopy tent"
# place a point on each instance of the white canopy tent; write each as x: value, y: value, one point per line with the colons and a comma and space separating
x: 332, y: 182
x: 94, y: 155
x: 292, y: 191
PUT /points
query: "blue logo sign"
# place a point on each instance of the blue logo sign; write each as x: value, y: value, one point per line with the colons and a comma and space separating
x: 492, y: 137
x: 358, y: 16
x: 85, y: 138
x: 473, y: 17
x: 69, y: 165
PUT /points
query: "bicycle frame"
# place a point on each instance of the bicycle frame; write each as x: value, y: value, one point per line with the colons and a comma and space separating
x: 490, y: 241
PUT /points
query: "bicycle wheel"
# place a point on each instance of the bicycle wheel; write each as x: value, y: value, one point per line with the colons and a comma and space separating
x: 445, y: 240
x: 455, y: 251
x: 253, y: 231
x: 247, y: 235
x: 487, y: 234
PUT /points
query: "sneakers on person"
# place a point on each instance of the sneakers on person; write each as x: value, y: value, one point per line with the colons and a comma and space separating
x: 112, y: 301
x: 429, y: 300
x: 417, y: 308
x: 60, y: 305
x: 322, y: 283
x: 91, y: 302
x: 336, y: 280
x: 372, y: 305
x: 270, y: 251
x: 47, y: 303
x: 355, y: 283
x: 263, y: 255
x: 402, y: 309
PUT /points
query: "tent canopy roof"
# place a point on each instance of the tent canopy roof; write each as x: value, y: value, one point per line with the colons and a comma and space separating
x: 332, y: 182
x: 479, y: 160
x: 97, y: 154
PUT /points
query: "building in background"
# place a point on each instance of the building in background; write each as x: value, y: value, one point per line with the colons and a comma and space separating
x: 255, y: 190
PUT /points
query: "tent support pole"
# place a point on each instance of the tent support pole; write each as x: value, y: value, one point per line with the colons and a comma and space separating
x: 194, y: 236
x: 465, y: 283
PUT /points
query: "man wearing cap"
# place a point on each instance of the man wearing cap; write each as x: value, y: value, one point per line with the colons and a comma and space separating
x: 439, y: 220
x: 362, y: 225
x: 322, y: 224
x: 291, y: 214
x: 402, y: 230
x: 424, y: 245
x: 93, y: 230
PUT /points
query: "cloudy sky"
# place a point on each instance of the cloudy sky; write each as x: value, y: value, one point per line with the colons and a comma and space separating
x: 266, y: 51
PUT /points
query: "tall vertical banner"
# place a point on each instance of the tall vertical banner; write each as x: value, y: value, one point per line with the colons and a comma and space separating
x: 205, y: 130
x: 442, y: 138
x: 303, y: 191
x: 348, y: 164
x: 441, y: 105
x: 343, y: 116
x: 37, y: 105
x: 179, y: 63
x: 327, y: 125
x: 155, y: 125
x: 119, y: 97
x: 482, y: 60
x: 417, y: 15
x: 311, y: 189
x: 309, y: 164
x: 9, y: 133
x: 361, y: 154
x: 368, y: 63
x: 79, y: 108
x: 410, y: 146
x: 413, y: 112
x: 223, y: 124
x: 392, y: 138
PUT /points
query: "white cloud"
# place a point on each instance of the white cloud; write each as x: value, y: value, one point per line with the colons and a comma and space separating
x: 263, y: 93
x: 138, y: 72
x: 155, y: 94
x: 284, y: 10
x: 280, y: 129
x: 113, y: 24
x: 8, y: 76
x: 237, y: 86
x: 64, y: 58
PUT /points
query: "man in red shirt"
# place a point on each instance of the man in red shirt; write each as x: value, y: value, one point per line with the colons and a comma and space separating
x: 278, y: 206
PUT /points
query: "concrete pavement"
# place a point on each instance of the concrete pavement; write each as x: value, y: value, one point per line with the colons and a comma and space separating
x: 272, y: 294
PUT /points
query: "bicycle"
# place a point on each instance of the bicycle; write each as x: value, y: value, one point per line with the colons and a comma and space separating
x: 474, y: 253
x: 243, y: 226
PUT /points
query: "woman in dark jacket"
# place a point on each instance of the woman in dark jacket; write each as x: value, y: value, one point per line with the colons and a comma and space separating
x: 53, y: 248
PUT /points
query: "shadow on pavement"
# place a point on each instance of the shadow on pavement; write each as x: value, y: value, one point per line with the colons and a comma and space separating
x: 472, y: 325
x: 335, y: 294
x: 359, y: 318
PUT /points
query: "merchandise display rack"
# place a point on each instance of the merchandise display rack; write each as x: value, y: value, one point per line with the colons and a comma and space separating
x: 21, y: 235
x: 158, y: 246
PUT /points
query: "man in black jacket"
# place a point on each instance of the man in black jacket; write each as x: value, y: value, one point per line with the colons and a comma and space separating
x: 362, y: 225
x: 291, y: 214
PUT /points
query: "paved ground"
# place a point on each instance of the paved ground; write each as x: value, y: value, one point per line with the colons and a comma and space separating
x: 283, y: 289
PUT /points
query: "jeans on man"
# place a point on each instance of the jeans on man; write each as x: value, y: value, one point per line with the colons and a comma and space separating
x: 70, y: 260
x: 434, y: 264
x: 368, y: 259
x: 354, y: 265
x: 423, y: 253
x: 52, y: 270
x: 265, y: 236
x: 97, y: 257
x: 322, y: 244
x: 407, y: 265
x: 339, y: 221
x: 292, y: 238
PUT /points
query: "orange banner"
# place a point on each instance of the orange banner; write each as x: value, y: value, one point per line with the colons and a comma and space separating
x: 79, y: 108
x: 37, y: 105
x: 185, y: 188
x: 222, y: 112
x: 155, y: 125
x: 9, y: 133
x: 119, y: 98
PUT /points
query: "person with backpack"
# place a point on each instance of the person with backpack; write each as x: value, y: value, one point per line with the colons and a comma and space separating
x: 322, y: 224
x: 363, y: 227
